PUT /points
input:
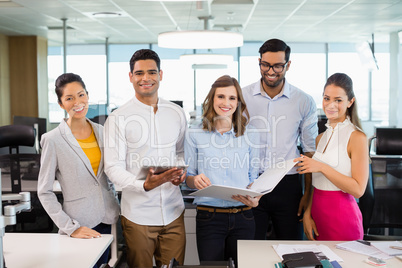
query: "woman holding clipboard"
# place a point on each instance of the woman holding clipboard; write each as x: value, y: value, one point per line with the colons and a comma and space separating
x: 222, y: 151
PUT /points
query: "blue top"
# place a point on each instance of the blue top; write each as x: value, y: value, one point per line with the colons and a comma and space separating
x: 224, y: 158
x: 288, y: 119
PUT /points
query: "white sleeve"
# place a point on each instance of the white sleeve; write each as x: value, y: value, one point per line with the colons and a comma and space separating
x: 116, y: 153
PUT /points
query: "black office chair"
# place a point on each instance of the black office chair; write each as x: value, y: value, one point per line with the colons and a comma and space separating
x: 366, y: 203
x: 381, y: 204
x: 13, y: 136
x: 100, y: 119
x: 322, y: 120
x: 38, y: 123
x: 207, y: 264
x: 19, y: 167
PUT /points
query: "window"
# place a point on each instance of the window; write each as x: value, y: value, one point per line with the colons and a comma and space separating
x: 182, y: 82
x: 89, y: 62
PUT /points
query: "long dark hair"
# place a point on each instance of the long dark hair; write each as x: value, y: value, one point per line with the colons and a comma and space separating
x: 239, y: 121
x: 344, y: 81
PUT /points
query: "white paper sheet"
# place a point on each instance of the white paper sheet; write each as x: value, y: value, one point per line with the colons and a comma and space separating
x: 358, y: 247
x: 262, y: 185
x: 384, y: 246
x: 268, y: 180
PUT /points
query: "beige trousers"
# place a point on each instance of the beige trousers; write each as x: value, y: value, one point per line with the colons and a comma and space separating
x: 162, y: 242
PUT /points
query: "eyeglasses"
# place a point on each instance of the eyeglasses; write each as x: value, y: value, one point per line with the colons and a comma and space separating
x: 278, y: 68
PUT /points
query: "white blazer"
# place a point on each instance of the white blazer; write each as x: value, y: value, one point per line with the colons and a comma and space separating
x: 88, y: 199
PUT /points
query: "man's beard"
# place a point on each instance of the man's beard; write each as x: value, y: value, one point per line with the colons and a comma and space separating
x: 273, y: 84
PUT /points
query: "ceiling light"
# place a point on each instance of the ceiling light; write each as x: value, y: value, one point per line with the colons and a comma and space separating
x: 203, y: 39
x: 366, y: 55
x: 106, y: 14
x: 173, y: 0
x: 206, y: 58
x: 209, y: 66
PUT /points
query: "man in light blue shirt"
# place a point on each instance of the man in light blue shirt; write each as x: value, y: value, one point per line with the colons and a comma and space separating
x: 285, y: 116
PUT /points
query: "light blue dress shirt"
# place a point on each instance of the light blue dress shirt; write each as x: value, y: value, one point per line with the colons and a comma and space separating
x: 224, y: 158
x: 288, y: 119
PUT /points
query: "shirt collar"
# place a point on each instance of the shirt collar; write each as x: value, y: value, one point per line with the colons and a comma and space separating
x: 259, y: 90
x: 339, y: 125
x: 143, y: 105
x: 231, y: 131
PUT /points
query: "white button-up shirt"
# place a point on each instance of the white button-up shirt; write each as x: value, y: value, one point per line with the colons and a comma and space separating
x: 135, y: 136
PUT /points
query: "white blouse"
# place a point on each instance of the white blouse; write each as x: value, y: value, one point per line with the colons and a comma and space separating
x: 332, y: 150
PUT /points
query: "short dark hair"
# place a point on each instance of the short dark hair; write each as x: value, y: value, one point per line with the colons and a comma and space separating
x: 145, y: 54
x: 275, y: 45
x: 65, y: 79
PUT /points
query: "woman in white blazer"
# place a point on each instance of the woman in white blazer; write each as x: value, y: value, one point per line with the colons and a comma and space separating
x: 72, y: 153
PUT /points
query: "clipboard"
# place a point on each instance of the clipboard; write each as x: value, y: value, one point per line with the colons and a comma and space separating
x: 264, y: 184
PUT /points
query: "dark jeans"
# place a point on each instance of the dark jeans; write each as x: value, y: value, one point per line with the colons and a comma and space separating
x: 103, y: 229
x: 280, y: 206
x: 217, y: 233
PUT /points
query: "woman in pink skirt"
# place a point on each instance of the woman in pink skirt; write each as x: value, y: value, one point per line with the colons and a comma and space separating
x: 340, y: 167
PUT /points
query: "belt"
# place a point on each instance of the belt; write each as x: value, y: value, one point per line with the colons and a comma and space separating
x: 224, y: 210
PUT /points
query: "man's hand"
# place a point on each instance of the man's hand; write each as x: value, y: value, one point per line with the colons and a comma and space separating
x: 177, y: 182
x: 173, y: 175
x: 85, y: 232
x: 303, y: 203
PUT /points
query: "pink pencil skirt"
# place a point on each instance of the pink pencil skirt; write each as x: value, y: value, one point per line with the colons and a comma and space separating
x: 336, y: 215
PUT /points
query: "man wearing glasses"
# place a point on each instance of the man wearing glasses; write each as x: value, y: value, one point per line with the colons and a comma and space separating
x: 286, y: 117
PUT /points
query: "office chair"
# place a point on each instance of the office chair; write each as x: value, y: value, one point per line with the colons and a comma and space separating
x: 100, y: 119
x: 39, y: 125
x: 13, y: 136
x: 381, y: 204
x: 322, y: 120
x: 18, y: 167
x: 208, y: 264
x: 366, y: 203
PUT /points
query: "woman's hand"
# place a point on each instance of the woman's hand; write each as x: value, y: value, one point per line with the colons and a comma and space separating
x: 201, y: 181
x: 309, y: 226
x: 247, y: 200
x: 85, y: 232
x: 307, y: 165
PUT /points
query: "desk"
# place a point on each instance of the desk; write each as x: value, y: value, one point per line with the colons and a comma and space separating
x: 257, y: 253
x: 27, y: 250
x: 32, y: 185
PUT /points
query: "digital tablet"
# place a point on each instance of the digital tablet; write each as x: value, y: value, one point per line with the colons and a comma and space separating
x: 142, y: 175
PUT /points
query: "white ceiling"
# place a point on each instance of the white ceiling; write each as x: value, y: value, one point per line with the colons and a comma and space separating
x: 258, y: 20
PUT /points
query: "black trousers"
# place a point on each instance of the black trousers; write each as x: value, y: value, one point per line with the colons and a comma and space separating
x: 280, y: 206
